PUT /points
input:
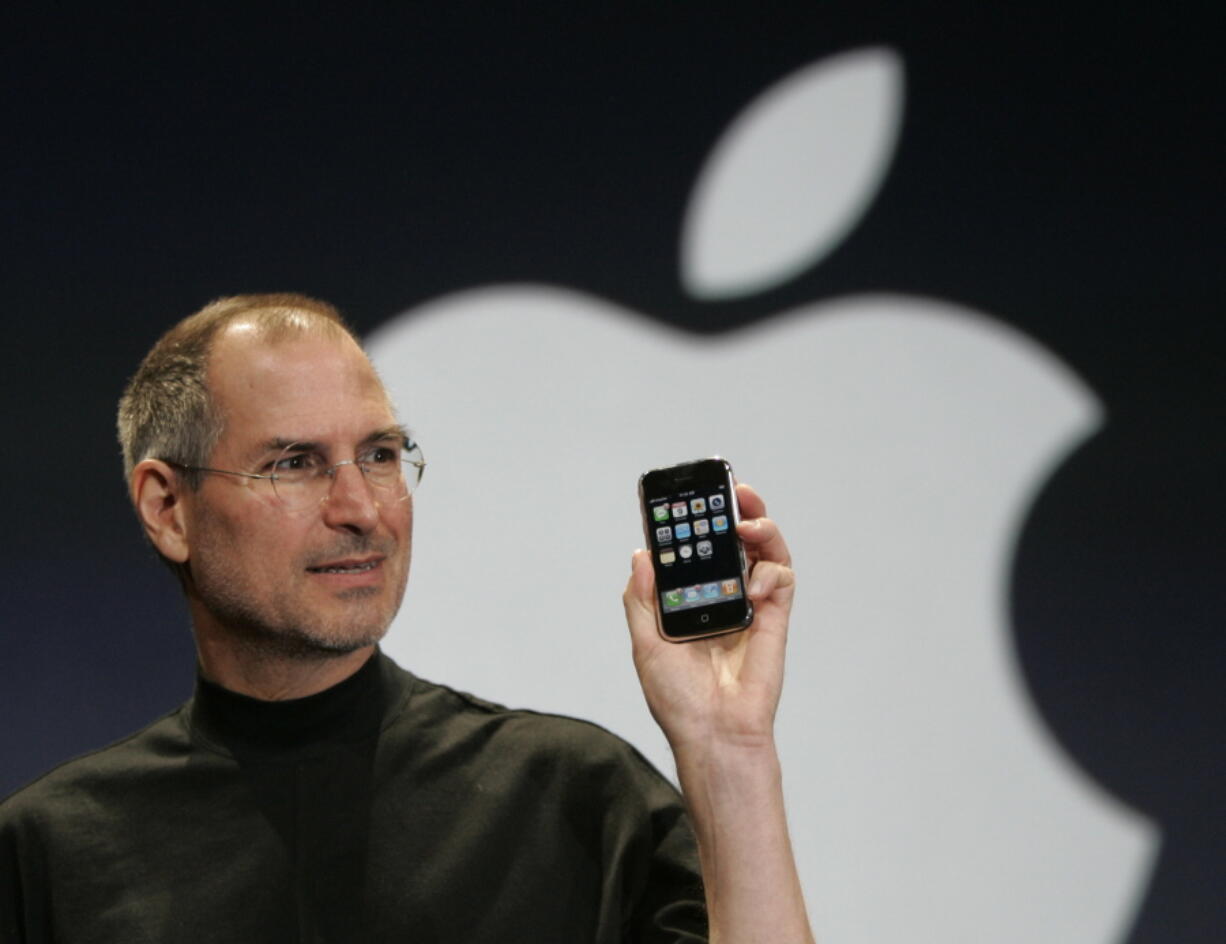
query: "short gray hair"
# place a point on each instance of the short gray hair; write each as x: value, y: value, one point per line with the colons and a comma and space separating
x: 167, y: 411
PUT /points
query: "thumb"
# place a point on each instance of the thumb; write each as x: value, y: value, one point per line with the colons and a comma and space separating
x: 639, y: 600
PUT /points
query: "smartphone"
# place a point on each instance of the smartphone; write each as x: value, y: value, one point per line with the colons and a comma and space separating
x: 690, y: 516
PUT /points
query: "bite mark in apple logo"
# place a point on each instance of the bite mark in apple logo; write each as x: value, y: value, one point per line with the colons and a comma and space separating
x: 899, y: 439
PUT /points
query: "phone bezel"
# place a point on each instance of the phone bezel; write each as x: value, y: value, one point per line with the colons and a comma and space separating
x: 744, y: 606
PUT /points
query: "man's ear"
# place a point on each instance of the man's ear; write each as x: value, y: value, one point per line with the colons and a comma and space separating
x: 157, y: 495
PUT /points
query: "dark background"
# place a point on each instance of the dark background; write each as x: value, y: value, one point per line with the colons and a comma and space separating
x: 1059, y: 167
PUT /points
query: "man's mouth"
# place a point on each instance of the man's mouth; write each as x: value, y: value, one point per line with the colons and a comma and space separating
x: 346, y: 567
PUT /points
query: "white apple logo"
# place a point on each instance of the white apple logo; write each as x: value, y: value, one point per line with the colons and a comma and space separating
x: 899, y: 440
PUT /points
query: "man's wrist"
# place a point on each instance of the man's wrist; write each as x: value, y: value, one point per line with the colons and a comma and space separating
x: 722, y: 768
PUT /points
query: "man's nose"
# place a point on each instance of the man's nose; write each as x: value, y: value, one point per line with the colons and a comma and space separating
x: 350, y: 502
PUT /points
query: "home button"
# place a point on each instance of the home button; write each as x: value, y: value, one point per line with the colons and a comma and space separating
x: 706, y: 617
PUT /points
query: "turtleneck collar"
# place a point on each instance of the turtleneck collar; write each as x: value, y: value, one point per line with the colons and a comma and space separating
x: 239, y: 724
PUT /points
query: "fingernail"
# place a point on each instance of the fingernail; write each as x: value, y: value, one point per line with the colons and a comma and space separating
x: 755, y: 587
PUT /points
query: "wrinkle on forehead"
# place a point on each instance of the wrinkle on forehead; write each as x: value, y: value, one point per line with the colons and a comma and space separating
x: 308, y: 385
x: 245, y: 354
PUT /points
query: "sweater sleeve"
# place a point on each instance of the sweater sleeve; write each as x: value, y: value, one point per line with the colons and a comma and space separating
x: 651, y: 855
x: 21, y: 887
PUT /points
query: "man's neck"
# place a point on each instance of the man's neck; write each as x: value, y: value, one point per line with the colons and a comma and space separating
x: 272, y: 676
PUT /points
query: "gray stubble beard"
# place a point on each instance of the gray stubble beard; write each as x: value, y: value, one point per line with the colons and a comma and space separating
x: 295, y: 639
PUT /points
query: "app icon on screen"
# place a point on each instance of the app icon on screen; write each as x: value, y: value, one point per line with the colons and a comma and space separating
x: 664, y: 535
x: 710, y: 591
x: 659, y: 512
x: 716, y: 502
x: 683, y: 530
x: 686, y: 551
x: 704, y: 549
x: 730, y: 588
x: 701, y: 526
x: 719, y: 523
x: 668, y: 556
x: 679, y: 509
x: 698, y: 506
x: 691, y: 594
x: 672, y: 597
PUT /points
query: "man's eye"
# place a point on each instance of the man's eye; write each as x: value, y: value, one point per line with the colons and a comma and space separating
x: 381, y: 455
x: 298, y: 462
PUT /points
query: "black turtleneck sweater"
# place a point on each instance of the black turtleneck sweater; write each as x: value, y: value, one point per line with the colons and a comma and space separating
x: 386, y: 808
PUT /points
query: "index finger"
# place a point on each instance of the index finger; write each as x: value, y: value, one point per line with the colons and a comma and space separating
x: 749, y: 501
x: 763, y: 540
x: 760, y: 534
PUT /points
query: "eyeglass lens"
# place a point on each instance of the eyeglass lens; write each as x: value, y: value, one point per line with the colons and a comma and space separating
x: 302, y: 479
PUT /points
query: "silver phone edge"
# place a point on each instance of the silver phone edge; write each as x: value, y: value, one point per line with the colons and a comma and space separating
x: 736, y: 520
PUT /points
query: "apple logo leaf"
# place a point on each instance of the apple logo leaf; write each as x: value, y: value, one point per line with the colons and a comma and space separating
x: 793, y: 173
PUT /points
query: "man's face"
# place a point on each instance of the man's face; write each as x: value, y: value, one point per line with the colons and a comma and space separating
x: 325, y: 579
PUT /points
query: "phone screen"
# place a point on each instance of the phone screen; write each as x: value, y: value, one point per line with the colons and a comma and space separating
x: 690, y: 516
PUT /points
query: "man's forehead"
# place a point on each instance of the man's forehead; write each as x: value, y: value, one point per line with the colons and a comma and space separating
x: 244, y: 345
x: 311, y: 387
x: 391, y: 434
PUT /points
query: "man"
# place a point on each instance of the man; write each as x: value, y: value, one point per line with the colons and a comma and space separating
x: 311, y: 790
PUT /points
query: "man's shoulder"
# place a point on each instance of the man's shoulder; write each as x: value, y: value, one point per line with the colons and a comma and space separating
x: 105, y: 772
x: 456, y: 718
x: 445, y: 707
